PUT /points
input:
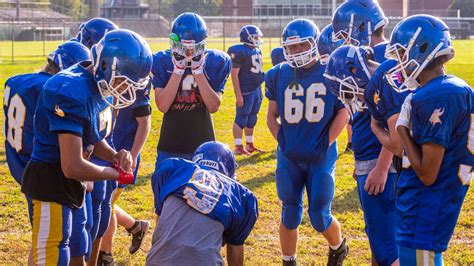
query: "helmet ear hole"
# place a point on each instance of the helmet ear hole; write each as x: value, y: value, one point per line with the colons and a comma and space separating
x: 103, y: 66
x: 423, y: 47
x: 362, y: 27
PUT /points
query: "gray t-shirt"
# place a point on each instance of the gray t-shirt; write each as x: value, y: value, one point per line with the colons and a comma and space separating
x: 185, y: 236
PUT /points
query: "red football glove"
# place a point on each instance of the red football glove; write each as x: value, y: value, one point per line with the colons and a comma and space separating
x: 124, y: 177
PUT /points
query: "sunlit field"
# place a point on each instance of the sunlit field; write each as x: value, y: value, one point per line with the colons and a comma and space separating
x: 257, y: 172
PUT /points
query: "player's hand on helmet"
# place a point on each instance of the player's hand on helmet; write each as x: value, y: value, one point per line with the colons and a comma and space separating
x: 239, y: 100
x: 178, y: 63
x: 404, y: 118
x: 124, y: 160
x: 197, y: 64
x: 375, y: 182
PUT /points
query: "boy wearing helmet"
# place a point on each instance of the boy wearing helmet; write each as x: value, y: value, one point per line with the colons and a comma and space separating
x: 247, y: 78
x: 189, y: 81
x: 436, y: 126
x: 200, y: 207
x: 67, y: 120
x: 20, y: 100
x: 311, y: 119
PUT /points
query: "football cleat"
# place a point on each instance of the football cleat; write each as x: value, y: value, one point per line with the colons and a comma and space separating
x: 250, y: 148
x: 337, y: 257
x: 240, y: 150
x: 138, y: 232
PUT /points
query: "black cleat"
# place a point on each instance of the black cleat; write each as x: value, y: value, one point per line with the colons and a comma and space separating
x: 138, y: 232
x: 105, y: 259
x: 289, y: 262
x: 337, y: 257
x: 349, y: 148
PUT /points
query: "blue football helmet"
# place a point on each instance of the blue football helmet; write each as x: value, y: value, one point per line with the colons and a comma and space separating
x: 300, y: 31
x: 188, y: 40
x: 415, y: 42
x: 356, y: 21
x: 122, y: 63
x: 68, y: 54
x: 77, y: 38
x: 326, y: 45
x: 217, y: 156
x: 347, y: 74
x: 251, y: 35
x: 94, y: 30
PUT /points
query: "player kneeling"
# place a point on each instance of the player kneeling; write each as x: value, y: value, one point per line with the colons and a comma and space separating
x: 200, y: 207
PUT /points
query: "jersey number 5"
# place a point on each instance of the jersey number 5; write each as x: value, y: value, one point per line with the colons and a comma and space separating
x: 257, y: 64
x: 313, y: 107
x: 16, y: 119
x: 465, y: 171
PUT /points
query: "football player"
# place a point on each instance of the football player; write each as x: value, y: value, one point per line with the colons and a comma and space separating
x: 20, y: 98
x: 348, y: 72
x: 247, y: 78
x: 200, y: 207
x: 189, y: 81
x: 436, y: 126
x: 277, y: 56
x: 305, y: 120
x: 74, y: 111
x: 92, y: 31
x: 326, y: 44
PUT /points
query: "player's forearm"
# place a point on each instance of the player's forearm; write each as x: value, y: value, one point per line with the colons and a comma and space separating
x: 164, y: 97
x: 83, y: 170
x: 103, y: 151
x: 384, y: 137
x: 143, y: 129
x: 235, y: 255
x: 338, y: 125
x: 211, y: 99
x: 384, y: 161
x: 414, y: 155
x: 236, y: 81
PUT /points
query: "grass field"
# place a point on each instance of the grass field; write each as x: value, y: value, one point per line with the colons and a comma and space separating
x: 255, y: 172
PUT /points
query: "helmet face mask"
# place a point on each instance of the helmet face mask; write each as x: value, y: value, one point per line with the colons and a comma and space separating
x: 121, y: 88
x: 300, y: 59
x: 187, y: 53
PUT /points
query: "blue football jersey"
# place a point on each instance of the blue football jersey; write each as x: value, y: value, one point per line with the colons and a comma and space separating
x: 306, y: 110
x: 249, y: 60
x: 379, y: 52
x: 19, y: 105
x: 442, y: 113
x: 365, y: 144
x: 125, y: 125
x: 277, y: 56
x: 381, y: 99
x: 210, y: 193
x: 70, y: 102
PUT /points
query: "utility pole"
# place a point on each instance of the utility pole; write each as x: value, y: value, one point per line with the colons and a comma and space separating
x: 17, y: 10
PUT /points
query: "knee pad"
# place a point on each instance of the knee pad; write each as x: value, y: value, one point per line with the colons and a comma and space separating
x: 241, y: 120
x: 252, y: 120
x: 320, y: 218
x: 291, y: 215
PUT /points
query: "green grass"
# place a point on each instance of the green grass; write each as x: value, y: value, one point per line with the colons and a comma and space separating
x: 256, y: 172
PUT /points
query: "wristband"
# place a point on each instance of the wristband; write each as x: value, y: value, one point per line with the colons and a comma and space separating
x: 124, y: 177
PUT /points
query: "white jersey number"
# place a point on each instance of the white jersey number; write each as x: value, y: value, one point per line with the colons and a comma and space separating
x: 465, y: 171
x: 205, y: 193
x: 313, y: 107
x: 16, y: 115
x: 257, y: 64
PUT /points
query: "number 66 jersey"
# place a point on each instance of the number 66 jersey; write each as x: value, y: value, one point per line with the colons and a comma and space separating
x: 306, y: 110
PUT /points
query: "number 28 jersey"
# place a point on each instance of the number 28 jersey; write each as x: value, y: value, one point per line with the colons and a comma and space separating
x: 19, y: 104
x: 306, y: 110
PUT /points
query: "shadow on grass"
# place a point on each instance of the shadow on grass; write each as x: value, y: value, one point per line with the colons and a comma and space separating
x: 258, y: 182
x: 348, y: 201
x: 256, y: 158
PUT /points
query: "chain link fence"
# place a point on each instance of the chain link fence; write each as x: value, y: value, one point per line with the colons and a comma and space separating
x: 27, y: 40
